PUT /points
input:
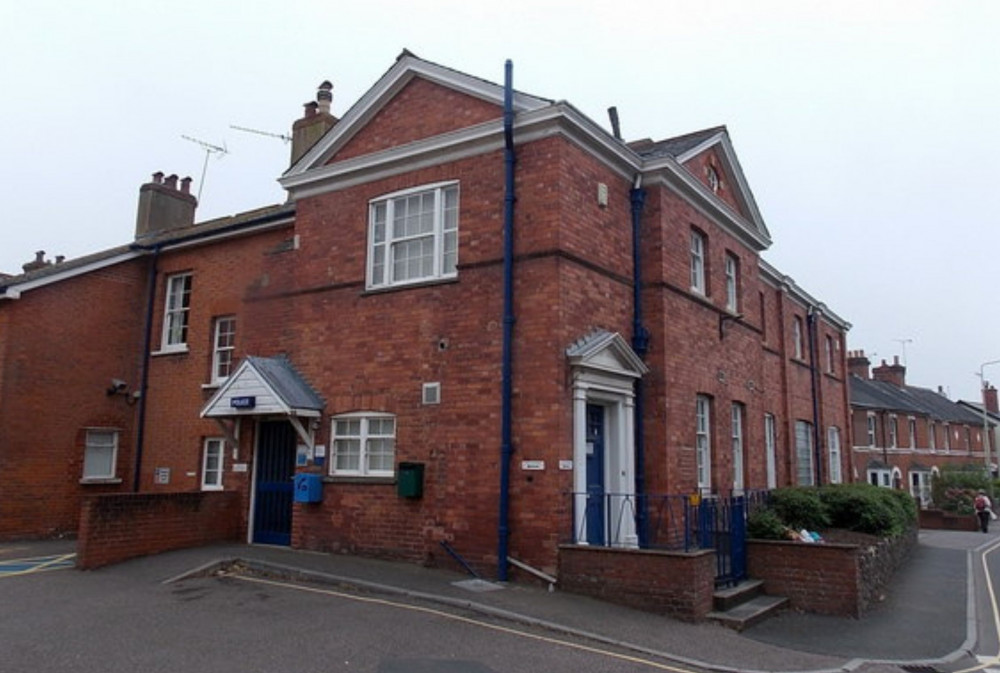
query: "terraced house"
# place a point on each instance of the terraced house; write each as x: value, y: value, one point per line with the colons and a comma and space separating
x: 487, y: 324
x: 903, y: 434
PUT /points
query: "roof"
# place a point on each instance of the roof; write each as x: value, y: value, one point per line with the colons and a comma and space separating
x: 676, y: 146
x: 871, y: 394
x: 264, y: 386
x: 12, y: 286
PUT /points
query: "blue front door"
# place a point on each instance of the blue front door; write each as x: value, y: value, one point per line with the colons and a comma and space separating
x: 595, y: 474
x: 272, y: 512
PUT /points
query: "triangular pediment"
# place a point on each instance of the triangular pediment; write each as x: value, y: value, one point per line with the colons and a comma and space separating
x: 264, y: 387
x: 716, y: 150
x: 412, y: 76
x: 608, y: 352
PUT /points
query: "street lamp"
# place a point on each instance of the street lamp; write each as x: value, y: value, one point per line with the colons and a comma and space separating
x: 986, y: 428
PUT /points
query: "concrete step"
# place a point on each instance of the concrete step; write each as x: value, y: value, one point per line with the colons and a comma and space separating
x: 729, y: 597
x: 747, y: 614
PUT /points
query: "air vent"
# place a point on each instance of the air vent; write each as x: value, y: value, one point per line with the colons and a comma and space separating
x: 432, y: 393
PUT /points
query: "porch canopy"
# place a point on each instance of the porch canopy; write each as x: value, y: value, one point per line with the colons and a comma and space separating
x: 264, y: 387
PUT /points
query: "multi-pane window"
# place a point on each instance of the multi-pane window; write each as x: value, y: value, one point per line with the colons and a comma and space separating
x: 100, y: 454
x: 893, y: 431
x: 703, y: 442
x: 212, y: 462
x: 947, y: 437
x: 732, y: 283
x: 175, y: 317
x: 830, y: 358
x: 797, y: 338
x: 911, y: 424
x: 413, y: 236
x: 871, y: 425
x: 737, y: 438
x: 833, y: 446
x: 698, y: 262
x: 364, y: 444
x: 880, y: 477
x: 931, y: 436
x: 223, y: 344
x: 771, y: 449
x: 805, y: 475
x: 920, y: 486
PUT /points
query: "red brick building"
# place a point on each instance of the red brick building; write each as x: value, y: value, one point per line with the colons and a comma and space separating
x: 377, y: 332
x: 904, y: 434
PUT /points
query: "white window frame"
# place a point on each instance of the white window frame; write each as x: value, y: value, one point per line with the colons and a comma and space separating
x: 703, y: 442
x: 871, y: 427
x: 833, y: 449
x: 97, y: 439
x: 363, y: 437
x: 931, y: 438
x: 732, y: 283
x: 176, y: 312
x: 830, y: 362
x: 698, y: 262
x: 211, y: 478
x: 805, y: 475
x: 223, y: 348
x: 384, y: 242
x: 880, y: 476
x: 920, y: 486
x: 911, y: 426
x: 771, y: 450
x: 947, y: 437
x: 737, y: 445
x: 893, y: 431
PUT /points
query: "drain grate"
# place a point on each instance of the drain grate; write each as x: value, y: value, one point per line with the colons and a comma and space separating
x: 920, y: 668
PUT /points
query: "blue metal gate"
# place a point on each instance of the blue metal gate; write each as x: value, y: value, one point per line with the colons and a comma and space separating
x: 722, y: 524
x: 272, y: 512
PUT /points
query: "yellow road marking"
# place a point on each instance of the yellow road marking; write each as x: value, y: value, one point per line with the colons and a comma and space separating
x: 37, y: 568
x: 467, y: 620
x: 995, y: 659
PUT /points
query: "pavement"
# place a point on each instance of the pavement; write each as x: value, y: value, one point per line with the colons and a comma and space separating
x: 937, y: 616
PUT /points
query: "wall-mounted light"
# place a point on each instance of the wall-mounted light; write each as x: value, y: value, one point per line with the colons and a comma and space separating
x: 119, y: 387
x: 725, y: 318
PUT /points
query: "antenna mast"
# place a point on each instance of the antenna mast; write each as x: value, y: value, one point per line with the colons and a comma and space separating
x: 209, y: 151
x: 287, y: 139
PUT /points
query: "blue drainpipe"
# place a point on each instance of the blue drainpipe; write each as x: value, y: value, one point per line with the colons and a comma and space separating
x: 503, y: 532
x: 640, y: 344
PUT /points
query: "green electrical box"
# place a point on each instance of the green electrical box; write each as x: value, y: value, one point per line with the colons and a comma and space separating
x: 410, y: 480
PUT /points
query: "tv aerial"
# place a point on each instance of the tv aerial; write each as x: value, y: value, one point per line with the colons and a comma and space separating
x: 285, y: 138
x: 210, y: 149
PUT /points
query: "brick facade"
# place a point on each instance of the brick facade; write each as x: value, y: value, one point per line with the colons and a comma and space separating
x: 297, y: 288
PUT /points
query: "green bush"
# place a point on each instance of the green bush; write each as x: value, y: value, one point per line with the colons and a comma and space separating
x: 857, y: 507
x: 869, y: 509
x: 800, y: 507
x: 955, y: 487
x: 764, y: 524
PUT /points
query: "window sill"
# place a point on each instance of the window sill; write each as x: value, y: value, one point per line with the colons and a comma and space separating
x: 176, y: 350
x: 215, y: 385
x: 211, y: 489
x: 406, y: 286
x: 90, y: 481
x: 358, y: 479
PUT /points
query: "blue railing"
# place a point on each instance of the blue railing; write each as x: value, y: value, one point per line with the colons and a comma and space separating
x: 670, y: 522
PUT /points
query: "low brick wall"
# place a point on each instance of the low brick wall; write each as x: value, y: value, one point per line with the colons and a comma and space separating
x: 844, y: 577
x: 938, y: 519
x: 675, y: 583
x: 118, y: 527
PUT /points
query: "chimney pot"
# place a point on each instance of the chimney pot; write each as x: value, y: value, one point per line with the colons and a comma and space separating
x: 171, y: 181
x: 40, y: 256
x: 186, y: 185
x: 158, y: 177
x: 60, y: 259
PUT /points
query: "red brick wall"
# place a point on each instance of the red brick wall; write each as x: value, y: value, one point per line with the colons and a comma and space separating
x: 420, y: 110
x: 674, y: 583
x: 115, y: 528
x: 822, y: 578
x: 60, y: 346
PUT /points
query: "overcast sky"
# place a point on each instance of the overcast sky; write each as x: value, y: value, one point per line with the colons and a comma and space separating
x: 868, y: 130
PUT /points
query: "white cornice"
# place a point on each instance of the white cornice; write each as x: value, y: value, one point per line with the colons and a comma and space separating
x: 780, y: 281
x: 14, y: 290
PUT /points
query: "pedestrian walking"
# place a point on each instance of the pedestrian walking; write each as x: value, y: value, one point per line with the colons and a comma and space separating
x: 984, y: 511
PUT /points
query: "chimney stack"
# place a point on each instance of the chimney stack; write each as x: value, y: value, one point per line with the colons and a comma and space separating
x: 990, y: 399
x: 37, y: 263
x: 858, y: 363
x: 163, y: 206
x: 894, y: 373
x: 315, y: 122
